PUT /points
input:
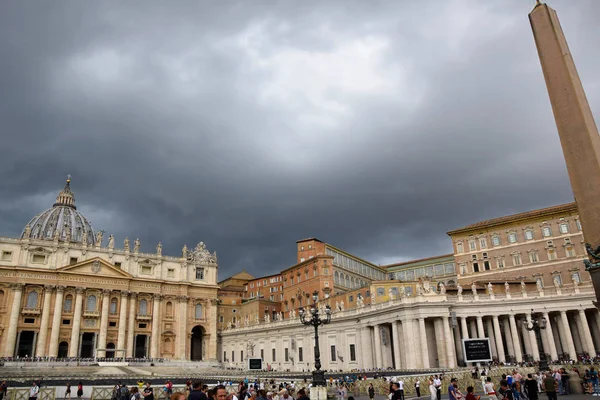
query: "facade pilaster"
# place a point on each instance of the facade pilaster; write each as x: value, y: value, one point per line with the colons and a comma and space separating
x: 11, y: 334
x: 182, y: 328
x: 103, y: 323
x: 40, y: 348
x: 131, y: 325
x: 515, y: 338
x: 464, y: 327
x: 366, y: 350
x: 424, y: 344
x: 535, y: 351
x: 584, y: 330
x: 56, y: 320
x: 122, y: 322
x: 155, y: 326
x: 568, y: 339
x: 498, y: 339
x: 74, y: 347
x: 396, y: 346
x: 550, y: 338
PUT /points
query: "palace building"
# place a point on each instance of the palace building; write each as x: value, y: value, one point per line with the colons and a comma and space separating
x: 67, y: 291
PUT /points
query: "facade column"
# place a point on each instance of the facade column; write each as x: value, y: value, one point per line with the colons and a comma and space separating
x: 74, y: 347
x: 490, y: 334
x: 586, y: 335
x: 396, y: 345
x: 525, y: 337
x: 103, y: 324
x: 155, y: 326
x: 458, y: 346
x: 424, y: 344
x: 480, y: 330
x: 515, y: 338
x: 535, y: 351
x: 43, y: 335
x: 568, y: 339
x: 366, y: 350
x: 450, y: 353
x: 550, y: 338
x: 438, y: 327
x: 378, y: 353
x: 464, y: 327
x: 56, y: 320
x: 182, y: 332
x: 122, y: 322
x: 11, y: 334
x: 509, y: 344
x: 498, y: 338
x: 131, y: 325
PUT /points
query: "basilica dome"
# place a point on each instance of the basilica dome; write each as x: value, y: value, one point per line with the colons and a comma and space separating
x: 62, y: 221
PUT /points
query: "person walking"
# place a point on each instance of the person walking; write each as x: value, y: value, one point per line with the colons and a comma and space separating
x: 371, y: 391
x: 3, y: 390
x: 79, y: 391
x: 34, y: 391
x: 68, y: 391
x: 432, y: 390
x: 489, y: 389
x: 437, y: 382
x: 418, y: 388
x: 550, y: 385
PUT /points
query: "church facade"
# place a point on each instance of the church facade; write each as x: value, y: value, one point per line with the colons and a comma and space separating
x: 68, y: 292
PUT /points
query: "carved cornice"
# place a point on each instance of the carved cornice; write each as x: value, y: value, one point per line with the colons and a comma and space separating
x: 60, y: 288
x: 49, y: 288
x: 17, y: 286
x: 80, y: 290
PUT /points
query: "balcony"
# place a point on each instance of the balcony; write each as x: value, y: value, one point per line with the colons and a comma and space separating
x: 143, y: 317
x: 91, y: 314
x: 31, y: 311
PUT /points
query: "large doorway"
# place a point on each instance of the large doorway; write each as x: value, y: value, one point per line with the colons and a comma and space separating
x: 87, y: 345
x: 25, y: 348
x: 110, y: 350
x: 63, y: 349
x: 197, y: 336
x: 141, y: 346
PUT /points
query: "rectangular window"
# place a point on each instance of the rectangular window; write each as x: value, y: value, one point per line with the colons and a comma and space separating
x: 576, y: 277
x: 66, y: 322
x: 224, y: 355
x: 551, y: 254
x: 273, y: 358
x: 29, y: 320
x: 570, y: 251
x: 564, y: 228
x: 146, y: 270
x: 242, y: 355
x: 6, y: 255
x: 232, y: 356
x: 558, y: 279
x: 300, y: 355
x: 286, y: 355
x: 112, y: 324
x: 199, y: 273
x: 533, y: 257
x: 142, y: 326
x: 170, y: 273
x: 475, y: 267
x: 517, y: 259
x: 578, y: 223
x: 486, y: 265
x: 350, y: 298
x: 221, y: 319
x: 39, y: 259
x: 472, y: 245
x: 496, y: 240
x: 546, y: 231
x: 118, y: 265
x: 483, y: 243
x: 352, y: 353
x: 333, y: 355
x: 460, y: 248
x: 528, y: 234
x: 539, y: 281
x: 262, y: 354
x: 512, y: 237
x: 380, y: 291
x: 500, y: 262
x: 73, y: 260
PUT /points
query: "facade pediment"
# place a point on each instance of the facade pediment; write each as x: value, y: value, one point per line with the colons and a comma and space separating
x: 95, y: 266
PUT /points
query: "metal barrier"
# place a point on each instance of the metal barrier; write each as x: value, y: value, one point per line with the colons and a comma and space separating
x: 23, y: 394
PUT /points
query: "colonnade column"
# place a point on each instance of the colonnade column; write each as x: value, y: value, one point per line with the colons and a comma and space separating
x: 535, y: 351
x: 155, y: 326
x: 74, y: 347
x: 490, y: 332
x: 122, y: 323
x: 396, y: 345
x: 40, y: 348
x: 424, y: 344
x: 584, y: 329
x: 11, y: 334
x: 550, y: 338
x: 103, y: 323
x: 480, y: 331
x: 182, y: 334
x: 498, y: 337
x: 515, y: 338
x: 450, y: 353
x: 56, y: 320
x: 464, y: 327
x: 131, y: 325
x: 378, y: 353
x: 509, y: 343
x: 366, y: 348
x: 567, y: 335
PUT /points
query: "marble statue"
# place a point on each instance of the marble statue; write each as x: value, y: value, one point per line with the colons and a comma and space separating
x: 419, y: 289
x: 506, y: 287
x: 523, y: 287
x: 184, y: 252
x: 111, y: 242
x: 126, y: 244
x: 426, y: 284
x: 136, y: 245
x: 474, y: 289
x: 538, y: 284
x: 360, y: 303
x: 292, y: 313
x: 279, y: 316
x: 442, y: 288
x: 391, y: 294
x: 337, y: 306
x: 99, y: 238
x: 84, y: 237
x: 459, y: 289
x: 267, y: 319
x: 373, y: 298
x: 490, y: 288
x: 159, y: 249
x: 342, y: 305
x: 28, y: 232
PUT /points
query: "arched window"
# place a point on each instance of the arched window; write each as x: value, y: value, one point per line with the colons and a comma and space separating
x: 68, y: 304
x: 168, y: 346
x: 143, y: 307
x: 169, y: 309
x: 113, y: 306
x: 347, y: 281
x: 91, y: 303
x: 1, y: 298
x: 198, y: 311
x: 336, y: 278
x: 32, y: 300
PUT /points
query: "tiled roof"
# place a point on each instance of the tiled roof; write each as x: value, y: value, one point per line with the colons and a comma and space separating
x: 516, y: 217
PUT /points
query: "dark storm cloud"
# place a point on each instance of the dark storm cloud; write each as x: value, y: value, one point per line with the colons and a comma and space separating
x: 375, y: 126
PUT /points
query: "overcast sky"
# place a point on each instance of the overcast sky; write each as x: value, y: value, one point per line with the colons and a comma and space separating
x: 376, y: 126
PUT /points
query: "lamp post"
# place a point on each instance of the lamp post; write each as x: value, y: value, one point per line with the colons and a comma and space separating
x: 315, y: 320
x: 536, y: 325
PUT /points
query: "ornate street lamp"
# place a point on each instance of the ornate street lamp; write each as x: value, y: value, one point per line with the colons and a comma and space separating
x: 536, y: 325
x: 315, y: 320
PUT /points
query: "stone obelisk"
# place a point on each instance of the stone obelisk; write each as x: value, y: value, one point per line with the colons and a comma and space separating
x: 576, y: 126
